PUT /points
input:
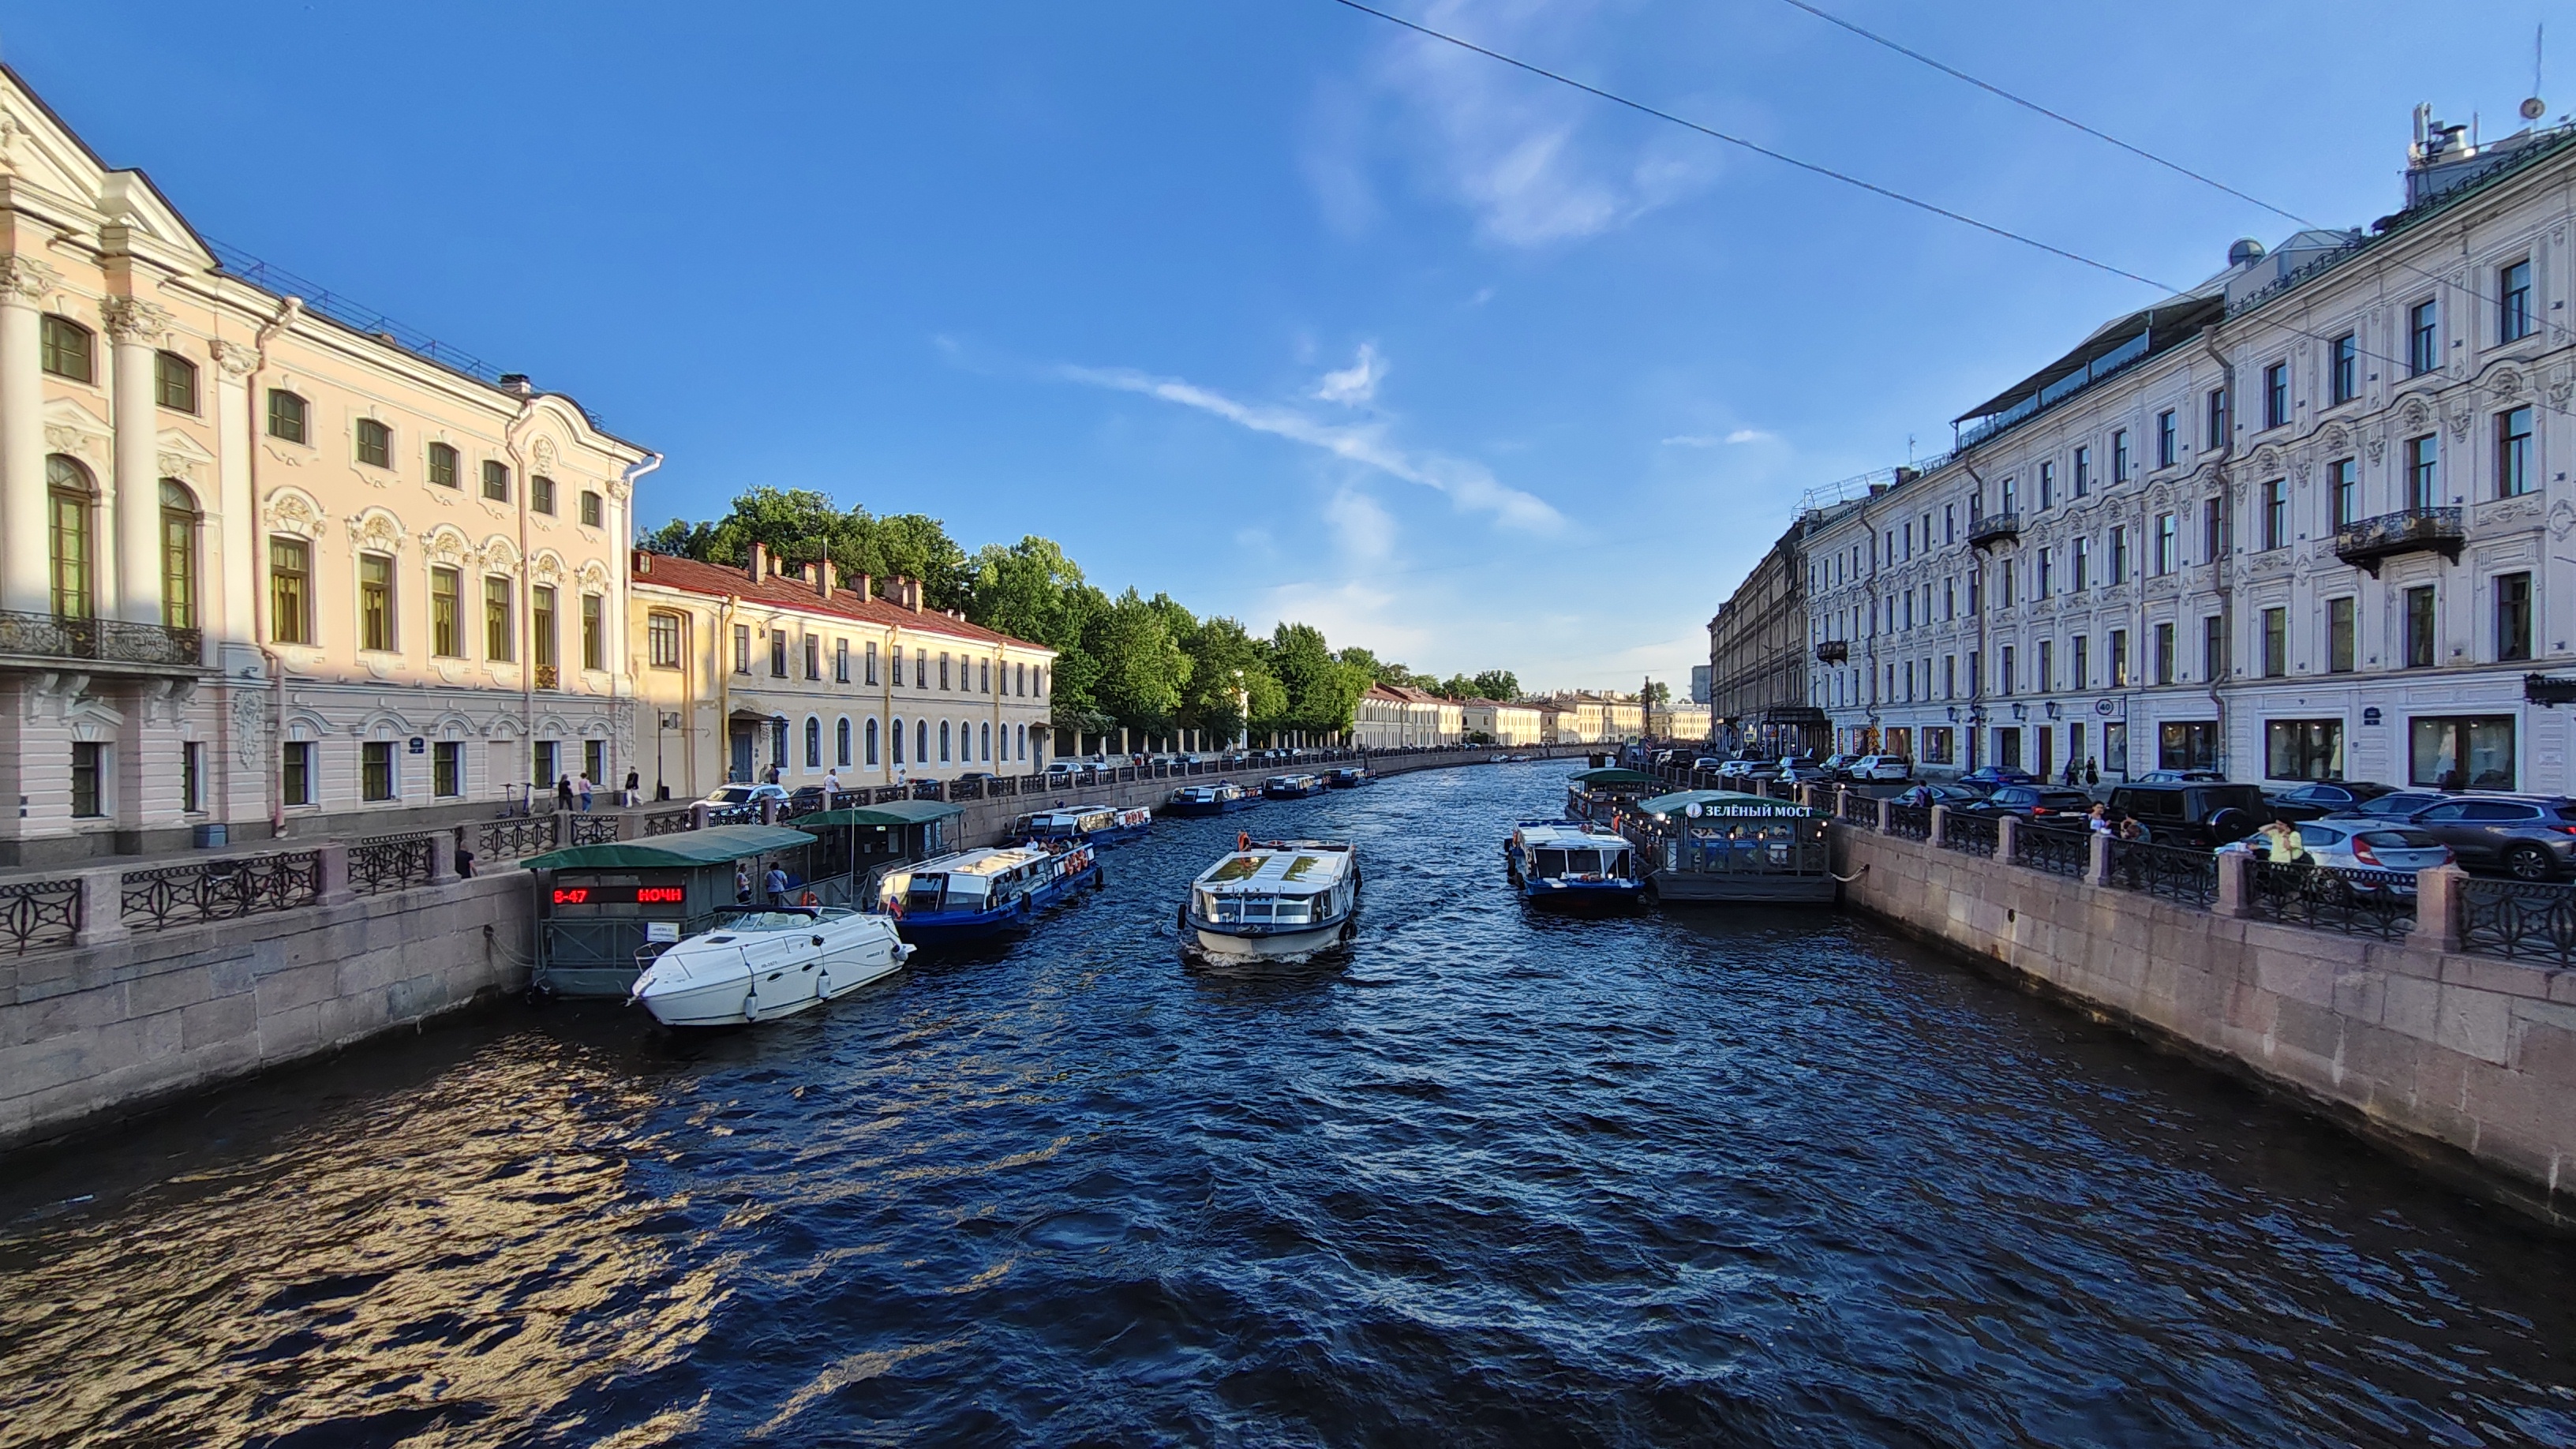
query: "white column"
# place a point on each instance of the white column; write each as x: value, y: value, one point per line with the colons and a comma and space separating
x: 230, y: 574
x: 24, y: 584
x: 133, y: 507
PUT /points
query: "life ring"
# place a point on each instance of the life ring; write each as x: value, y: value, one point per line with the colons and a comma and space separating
x: 809, y: 899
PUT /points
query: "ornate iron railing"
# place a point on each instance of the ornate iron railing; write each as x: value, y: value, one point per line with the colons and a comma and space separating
x: 667, y: 822
x: 2351, y: 901
x: 388, y: 863
x: 2519, y: 921
x: 1906, y: 822
x: 52, y: 636
x: 1991, y: 528
x: 500, y: 840
x: 2409, y: 530
x: 2059, y: 852
x: 39, y: 914
x: 925, y: 790
x: 747, y: 813
x: 219, y: 890
x: 966, y: 790
x: 2175, y: 872
x: 1970, y: 834
x: 593, y: 829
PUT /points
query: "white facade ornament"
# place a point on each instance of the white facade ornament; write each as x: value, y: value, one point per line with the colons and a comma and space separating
x: 544, y: 455
x: 132, y: 319
x: 292, y: 510
x: 25, y: 279
x: 447, y: 544
x: 234, y: 359
x: 2562, y: 518
x: 2460, y: 425
x: 377, y: 530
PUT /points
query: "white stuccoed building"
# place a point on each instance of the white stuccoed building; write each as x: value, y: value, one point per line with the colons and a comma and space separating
x: 2310, y: 519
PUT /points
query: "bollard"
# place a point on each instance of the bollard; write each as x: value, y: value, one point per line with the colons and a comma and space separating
x: 102, y: 917
x: 2235, y: 884
x: 2437, y: 909
x: 331, y: 875
x: 2098, y: 871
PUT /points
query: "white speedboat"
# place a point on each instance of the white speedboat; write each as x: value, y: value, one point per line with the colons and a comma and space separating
x: 1278, y: 900
x: 758, y: 965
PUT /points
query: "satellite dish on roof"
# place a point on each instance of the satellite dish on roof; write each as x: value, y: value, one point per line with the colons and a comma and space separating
x: 2533, y: 109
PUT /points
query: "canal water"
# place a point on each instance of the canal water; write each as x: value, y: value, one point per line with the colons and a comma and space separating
x: 1731, y: 1177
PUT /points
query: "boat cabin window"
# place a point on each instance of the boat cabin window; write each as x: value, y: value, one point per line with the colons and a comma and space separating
x: 1551, y: 862
x: 748, y: 921
x: 925, y: 892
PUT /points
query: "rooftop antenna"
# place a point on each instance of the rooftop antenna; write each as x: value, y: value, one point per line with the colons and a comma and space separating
x: 2533, y: 109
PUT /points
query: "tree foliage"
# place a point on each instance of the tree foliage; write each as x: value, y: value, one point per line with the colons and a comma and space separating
x: 801, y: 526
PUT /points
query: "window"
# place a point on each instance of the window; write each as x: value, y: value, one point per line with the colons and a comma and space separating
x: 944, y: 755
x: 943, y: 670
x: 921, y: 670
x: 778, y: 654
x: 2217, y: 418
x: 290, y: 590
x: 67, y: 349
x: 2423, y: 471
x: 592, y: 509
x: 446, y: 614
x: 500, y: 640
x: 375, y: 443
x: 375, y: 604
x: 2165, y: 439
x: 2119, y: 456
x: 984, y: 743
x: 841, y: 743
x: 2343, y: 360
x: 2461, y: 752
x: 2047, y: 484
x: 541, y: 494
x: 2009, y: 573
x: 295, y: 772
x: 376, y: 770
x: 2513, y: 301
x: 496, y: 480
x: 742, y: 648
x: 68, y: 495
x: 542, y: 762
x: 841, y: 664
x: 2083, y: 471
x: 178, y: 556
x: 174, y: 382
x: 2213, y: 648
x: 2165, y: 540
x: 983, y: 676
x: 2420, y: 339
x: 2081, y: 565
x: 2119, y: 659
x: 594, y: 761
x: 442, y: 465
x: 2276, y: 395
x: 2004, y: 671
x: 1949, y: 523
x: 88, y: 774
x: 2080, y: 656
x: 898, y: 740
x: 814, y: 656
x: 2513, y: 452
x: 921, y: 741
x: 2339, y: 636
x: 813, y: 743
x: 2419, y: 627
x: 541, y: 625
x: 662, y: 640
x: 2213, y: 531
x: 2044, y: 678
x: 2303, y: 749
x: 2165, y: 663
x: 872, y: 742
x: 2512, y: 618
x: 2343, y: 491
x: 872, y: 664
x: 285, y: 415
x: 2187, y: 745
x: 2276, y: 513
x: 594, y: 633
x: 447, y: 769
x: 2276, y: 643
x: 2011, y: 491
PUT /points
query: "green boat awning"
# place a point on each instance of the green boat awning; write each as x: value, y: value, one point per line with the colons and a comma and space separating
x: 1611, y: 779
x: 1721, y: 802
x: 893, y: 812
x: 713, y: 846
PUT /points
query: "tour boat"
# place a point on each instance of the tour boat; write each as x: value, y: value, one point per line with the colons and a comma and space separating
x: 1730, y: 847
x: 977, y: 893
x: 1349, y: 777
x: 1566, y: 863
x: 1291, y: 787
x: 1096, y: 824
x: 759, y: 965
x: 1273, y: 901
x: 1217, y: 799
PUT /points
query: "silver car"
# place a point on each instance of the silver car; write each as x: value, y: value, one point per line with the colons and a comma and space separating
x: 2348, y: 843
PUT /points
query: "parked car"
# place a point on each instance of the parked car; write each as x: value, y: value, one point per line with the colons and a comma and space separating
x: 728, y: 795
x: 2528, y: 837
x: 2320, y: 798
x: 1923, y: 797
x: 2177, y: 777
x: 2400, y: 805
x: 1754, y: 772
x: 2202, y: 813
x: 1873, y: 768
x: 1989, y: 776
x: 1708, y: 764
x: 1838, y: 766
x: 2050, y: 803
x: 2354, y: 844
x: 1803, y: 770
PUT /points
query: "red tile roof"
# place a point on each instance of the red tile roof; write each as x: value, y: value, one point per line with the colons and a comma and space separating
x: 692, y: 577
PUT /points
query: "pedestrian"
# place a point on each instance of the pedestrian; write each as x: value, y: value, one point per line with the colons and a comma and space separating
x: 582, y: 787
x: 2070, y: 776
x: 464, y: 856
x: 2132, y: 828
x: 773, y: 774
x: 831, y: 785
x: 563, y: 792
x: 742, y: 884
x: 2281, y: 839
x: 2092, y: 772
x: 634, y: 789
x: 776, y: 884
x: 2098, y: 819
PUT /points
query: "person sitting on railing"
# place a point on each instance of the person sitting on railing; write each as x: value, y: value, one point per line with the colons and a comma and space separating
x: 2098, y: 819
x: 2281, y: 841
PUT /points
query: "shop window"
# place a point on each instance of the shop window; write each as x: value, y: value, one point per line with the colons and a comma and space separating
x: 2461, y: 752
x: 2303, y: 749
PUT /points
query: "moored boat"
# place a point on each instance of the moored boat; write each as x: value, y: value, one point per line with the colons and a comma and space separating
x: 1094, y: 824
x: 1217, y: 799
x: 1348, y: 777
x: 1727, y: 846
x: 1601, y: 794
x: 1273, y: 901
x: 978, y: 893
x: 1291, y: 787
x: 1571, y: 865
x: 762, y: 964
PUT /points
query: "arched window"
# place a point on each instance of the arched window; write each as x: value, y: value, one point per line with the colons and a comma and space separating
x: 178, y: 556
x: 943, y: 742
x: 66, y: 349
x: 1024, y: 744
x: 898, y: 741
x: 872, y: 743
x: 813, y: 743
x: 69, y: 498
x: 921, y: 741
x: 841, y: 743
x: 984, y: 742
x: 174, y: 382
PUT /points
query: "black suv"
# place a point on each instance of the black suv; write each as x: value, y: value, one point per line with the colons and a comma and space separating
x: 2206, y: 814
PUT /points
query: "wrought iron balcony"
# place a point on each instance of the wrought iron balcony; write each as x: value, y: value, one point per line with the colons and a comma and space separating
x: 1833, y: 651
x: 548, y: 677
x: 1988, y: 529
x: 2411, y: 530
x: 106, y: 641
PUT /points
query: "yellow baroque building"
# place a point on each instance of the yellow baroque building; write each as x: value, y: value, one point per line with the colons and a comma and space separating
x: 264, y: 567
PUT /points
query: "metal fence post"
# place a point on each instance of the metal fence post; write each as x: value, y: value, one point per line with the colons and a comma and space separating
x: 2437, y: 909
x: 2235, y: 884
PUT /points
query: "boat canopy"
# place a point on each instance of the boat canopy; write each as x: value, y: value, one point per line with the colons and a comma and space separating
x: 1612, y: 778
x: 715, y: 845
x: 1724, y: 804
x: 892, y: 812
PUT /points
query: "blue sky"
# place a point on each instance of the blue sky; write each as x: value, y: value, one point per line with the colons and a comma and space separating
x: 1269, y: 305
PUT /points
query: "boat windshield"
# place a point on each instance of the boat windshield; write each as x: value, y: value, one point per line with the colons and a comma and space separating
x: 796, y: 919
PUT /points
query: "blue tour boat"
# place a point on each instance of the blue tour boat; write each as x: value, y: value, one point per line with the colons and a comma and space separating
x: 978, y: 893
x: 1094, y: 824
x: 1348, y: 777
x: 1222, y: 798
x: 1291, y: 787
x: 1571, y: 864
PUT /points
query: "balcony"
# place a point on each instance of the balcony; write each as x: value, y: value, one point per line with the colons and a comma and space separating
x: 1988, y: 529
x: 100, y: 641
x: 1833, y: 651
x: 2413, y: 530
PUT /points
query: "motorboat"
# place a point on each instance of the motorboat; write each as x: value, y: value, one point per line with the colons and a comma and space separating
x: 762, y: 964
x: 977, y: 893
x: 1094, y: 824
x: 1348, y: 777
x: 1221, y: 798
x: 1570, y: 864
x: 1291, y: 787
x: 1273, y: 901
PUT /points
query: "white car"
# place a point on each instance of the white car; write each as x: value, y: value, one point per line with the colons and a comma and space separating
x: 2372, y: 845
x: 729, y: 795
x: 1882, y: 767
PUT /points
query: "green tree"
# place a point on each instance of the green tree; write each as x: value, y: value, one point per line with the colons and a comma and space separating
x: 1322, y: 691
x: 1223, y: 660
x: 800, y: 526
x: 1655, y: 693
x: 1141, y: 669
x: 1499, y: 684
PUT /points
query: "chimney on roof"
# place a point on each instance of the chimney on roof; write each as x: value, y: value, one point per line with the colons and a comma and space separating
x: 517, y: 382
x: 861, y: 587
x: 759, y: 563
x: 912, y: 594
x: 826, y: 578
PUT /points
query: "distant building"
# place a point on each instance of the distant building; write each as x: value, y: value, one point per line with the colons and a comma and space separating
x: 1400, y: 717
x: 1757, y: 690
x: 1679, y: 721
x: 1592, y: 718
x: 1500, y: 723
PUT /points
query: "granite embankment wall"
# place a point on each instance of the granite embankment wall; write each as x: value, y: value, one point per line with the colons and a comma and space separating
x: 2464, y: 1062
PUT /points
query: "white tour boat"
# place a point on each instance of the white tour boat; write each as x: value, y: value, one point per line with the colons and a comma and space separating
x: 759, y: 964
x: 1276, y: 900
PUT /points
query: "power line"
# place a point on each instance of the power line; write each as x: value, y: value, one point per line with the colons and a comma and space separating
x: 1757, y: 148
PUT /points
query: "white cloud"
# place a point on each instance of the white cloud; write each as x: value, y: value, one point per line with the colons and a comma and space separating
x: 1711, y: 440
x: 1748, y: 435
x: 1470, y: 485
x: 1367, y: 530
x: 1356, y: 384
